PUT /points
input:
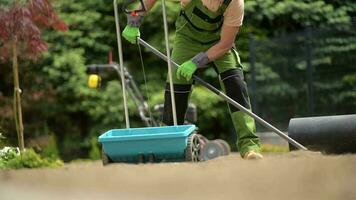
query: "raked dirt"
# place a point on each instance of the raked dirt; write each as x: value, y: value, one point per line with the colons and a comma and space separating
x: 289, y: 176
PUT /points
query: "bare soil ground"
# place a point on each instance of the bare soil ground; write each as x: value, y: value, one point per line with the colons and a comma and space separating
x: 285, y: 176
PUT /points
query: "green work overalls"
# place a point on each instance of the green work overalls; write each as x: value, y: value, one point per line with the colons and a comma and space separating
x: 198, y: 29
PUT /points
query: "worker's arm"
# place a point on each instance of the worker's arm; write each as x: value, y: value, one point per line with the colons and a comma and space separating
x: 227, y: 40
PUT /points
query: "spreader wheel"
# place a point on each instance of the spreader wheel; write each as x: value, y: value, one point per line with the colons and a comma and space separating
x: 225, y: 145
x: 202, y: 139
x: 211, y: 150
x: 192, y: 151
x: 106, y: 160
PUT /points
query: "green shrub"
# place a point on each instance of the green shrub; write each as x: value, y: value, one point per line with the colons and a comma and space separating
x: 8, y: 153
x: 94, y: 153
x: 12, y: 159
x: 51, y: 150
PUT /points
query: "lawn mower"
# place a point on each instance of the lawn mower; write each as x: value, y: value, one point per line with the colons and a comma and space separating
x: 148, y: 118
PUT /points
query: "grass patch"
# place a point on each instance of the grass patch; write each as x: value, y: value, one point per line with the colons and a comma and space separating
x: 269, y: 148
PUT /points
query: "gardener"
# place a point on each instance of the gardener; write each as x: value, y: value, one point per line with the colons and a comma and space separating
x: 205, y: 36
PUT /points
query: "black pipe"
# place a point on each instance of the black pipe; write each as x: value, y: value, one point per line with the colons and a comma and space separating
x: 328, y: 134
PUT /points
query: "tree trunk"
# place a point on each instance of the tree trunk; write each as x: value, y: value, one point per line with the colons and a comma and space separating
x: 17, y: 98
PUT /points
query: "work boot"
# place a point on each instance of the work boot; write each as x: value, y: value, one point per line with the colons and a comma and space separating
x: 247, y: 140
x: 251, y: 155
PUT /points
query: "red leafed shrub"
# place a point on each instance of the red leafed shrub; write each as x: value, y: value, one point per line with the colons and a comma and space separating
x: 22, y: 23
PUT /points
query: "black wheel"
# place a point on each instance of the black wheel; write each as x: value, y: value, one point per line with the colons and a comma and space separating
x: 105, y: 159
x: 225, y: 145
x: 192, y: 151
x: 202, y: 139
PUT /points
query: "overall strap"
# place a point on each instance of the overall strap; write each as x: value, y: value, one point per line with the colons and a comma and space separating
x: 182, y: 13
x: 206, y: 18
x: 225, y: 4
x: 204, y: 21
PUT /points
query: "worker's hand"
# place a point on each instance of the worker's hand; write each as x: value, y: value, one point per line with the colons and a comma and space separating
x: 188, y: 68
x: 132, y: 31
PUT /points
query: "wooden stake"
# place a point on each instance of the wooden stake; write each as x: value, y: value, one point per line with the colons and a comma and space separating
x: 17, y: 97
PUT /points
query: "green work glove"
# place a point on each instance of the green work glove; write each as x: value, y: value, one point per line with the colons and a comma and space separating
x: 188, y: 68
x: 131, y: 33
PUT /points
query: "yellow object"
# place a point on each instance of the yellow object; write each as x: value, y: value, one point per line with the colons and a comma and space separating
x: 94, y: 81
